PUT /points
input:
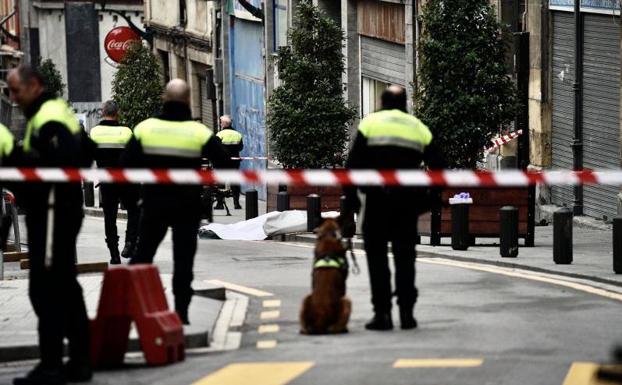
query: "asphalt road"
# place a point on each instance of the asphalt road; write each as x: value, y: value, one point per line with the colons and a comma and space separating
x: 476, y: 327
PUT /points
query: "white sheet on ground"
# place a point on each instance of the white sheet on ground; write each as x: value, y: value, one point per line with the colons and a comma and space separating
x: 264, y: 226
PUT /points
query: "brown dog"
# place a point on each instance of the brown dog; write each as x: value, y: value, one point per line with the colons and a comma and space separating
x: 327, y: 310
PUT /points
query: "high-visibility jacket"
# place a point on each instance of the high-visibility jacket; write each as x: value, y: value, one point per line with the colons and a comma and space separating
x: 232, y: 140
x: 110, y: 136
x: 179, y: 139
x: 6, y: 141
x: 111, y: 139
x: 51, y: 111
x: 392, y: 140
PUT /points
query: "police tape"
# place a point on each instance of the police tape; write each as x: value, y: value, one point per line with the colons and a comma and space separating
x: 449, y: 178
x: 498, y: 142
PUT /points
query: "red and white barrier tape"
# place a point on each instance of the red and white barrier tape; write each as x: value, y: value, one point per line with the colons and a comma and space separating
x: 464, y: 178
x: 498, y: 142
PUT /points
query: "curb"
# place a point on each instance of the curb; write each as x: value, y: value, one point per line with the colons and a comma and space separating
x: 199, y: 338
x: 99, y: 213
x: 301, y: 238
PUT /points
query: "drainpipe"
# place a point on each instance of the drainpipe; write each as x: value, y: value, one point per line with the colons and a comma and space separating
x: 577, y: 144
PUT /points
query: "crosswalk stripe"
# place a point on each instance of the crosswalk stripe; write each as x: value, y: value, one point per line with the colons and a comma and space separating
x: 272, y: 373
x: 272, y: 314
x: 240, y: 288
x: 438, y: 363
x: 272, y: 303
x: 272, y: 328
x: 266, y: 344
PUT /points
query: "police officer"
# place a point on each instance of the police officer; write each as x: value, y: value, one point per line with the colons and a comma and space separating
x: 173, y: 140
x: 111, y: 139
x: 391, y: 139
x: 232, y: 140
x: 7, y: 143
x: 53, y: 219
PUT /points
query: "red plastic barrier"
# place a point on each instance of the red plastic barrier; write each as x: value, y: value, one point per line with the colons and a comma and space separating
x: 135, y: 293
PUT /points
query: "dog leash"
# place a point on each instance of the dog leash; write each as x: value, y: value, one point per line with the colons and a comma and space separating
x: 356, y: 270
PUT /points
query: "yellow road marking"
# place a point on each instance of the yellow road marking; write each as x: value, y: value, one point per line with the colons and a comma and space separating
x: 584, y: 373
x: 438, y: 363
x: 273, y: 373
x: 240, y: 288
x: 517, y: 273
x: 272, y: 303
x: 266, y: 344
x: 272, y: 314
x: 264, y: 329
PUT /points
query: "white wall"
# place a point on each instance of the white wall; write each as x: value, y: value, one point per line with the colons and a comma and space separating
x: 164, y: 12
x: 106, y: 24
x: 53, y: 41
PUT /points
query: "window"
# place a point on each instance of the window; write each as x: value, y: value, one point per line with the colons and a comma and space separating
x: 280, y: 23
x: 372, y: 91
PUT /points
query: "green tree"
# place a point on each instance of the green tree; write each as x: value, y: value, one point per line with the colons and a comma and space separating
x: 307, y: 115
x: 51, y: 77
x: 463, y: 93
x: 137, y: 85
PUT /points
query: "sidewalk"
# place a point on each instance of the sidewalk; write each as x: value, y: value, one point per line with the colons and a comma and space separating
x: 592, y: 253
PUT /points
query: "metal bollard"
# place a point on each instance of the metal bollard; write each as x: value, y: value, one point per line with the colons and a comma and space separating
x: 562, y: 236
x: 508, y: 232
x: 342, y: 204
x: 314, y: 212
x: 460, y: 236
x: 89, y: 194
x: 282, y: 201
x: 252, y: 204
x: 617, y: 245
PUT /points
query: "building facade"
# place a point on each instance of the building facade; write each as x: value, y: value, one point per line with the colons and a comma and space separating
x: 551, y: 25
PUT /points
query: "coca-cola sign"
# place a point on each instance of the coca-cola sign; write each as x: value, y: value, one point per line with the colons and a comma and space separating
x: 118, y: 41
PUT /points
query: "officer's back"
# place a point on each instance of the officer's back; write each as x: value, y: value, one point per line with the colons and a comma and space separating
x: 173, y: 141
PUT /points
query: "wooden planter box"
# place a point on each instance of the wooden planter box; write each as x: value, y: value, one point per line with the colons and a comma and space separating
x: 298, y: 197
x: 483, y: 213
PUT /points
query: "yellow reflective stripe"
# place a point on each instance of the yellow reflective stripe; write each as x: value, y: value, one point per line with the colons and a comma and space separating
x: 406, y: 128
x: 329, y: 263
x: 6, y: 141
x: 170, y: 151
x: 111, y: 136
x: 186, y: 137
x: 54, y: 110
x: 228, y: 136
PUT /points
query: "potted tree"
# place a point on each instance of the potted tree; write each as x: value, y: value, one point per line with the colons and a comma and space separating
x: 137, y: 85
x: 307, y: 115
x: 465, y: 95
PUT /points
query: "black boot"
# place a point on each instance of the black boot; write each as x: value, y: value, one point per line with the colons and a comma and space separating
x: 128, y: 250
x: 77, y: 372
x: 407, y: 320
x: 236, y: 205
x: 181, y: 308
x: 113, y: 246
x: 40, y: 376
x: 381, y: 321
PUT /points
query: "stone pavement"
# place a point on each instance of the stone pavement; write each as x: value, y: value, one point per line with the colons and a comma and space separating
x: 592, y: 253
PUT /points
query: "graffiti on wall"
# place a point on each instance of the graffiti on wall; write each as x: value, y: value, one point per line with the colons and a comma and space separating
x: 587, y: 5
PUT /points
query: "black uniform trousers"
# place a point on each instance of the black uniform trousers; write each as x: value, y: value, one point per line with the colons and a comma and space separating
x: 386, y: 220
x: 54, y: 291
x: 112, y: 195
x: 154, y: 223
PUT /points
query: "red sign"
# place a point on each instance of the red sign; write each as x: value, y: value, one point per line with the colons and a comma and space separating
x: 118, y: 41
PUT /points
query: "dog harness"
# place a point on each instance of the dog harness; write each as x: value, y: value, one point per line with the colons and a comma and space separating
x: 333, y: 261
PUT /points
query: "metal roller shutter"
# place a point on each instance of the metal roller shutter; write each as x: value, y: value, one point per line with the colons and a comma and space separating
x: 563, y: 100
x: 382, y: 60
x: 601, y: 109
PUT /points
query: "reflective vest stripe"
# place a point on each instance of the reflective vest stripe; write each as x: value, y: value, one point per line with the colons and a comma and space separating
x: 171, y: 151
x: 54, y: 110
x: 395, y: 141
x: 110, y: 145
